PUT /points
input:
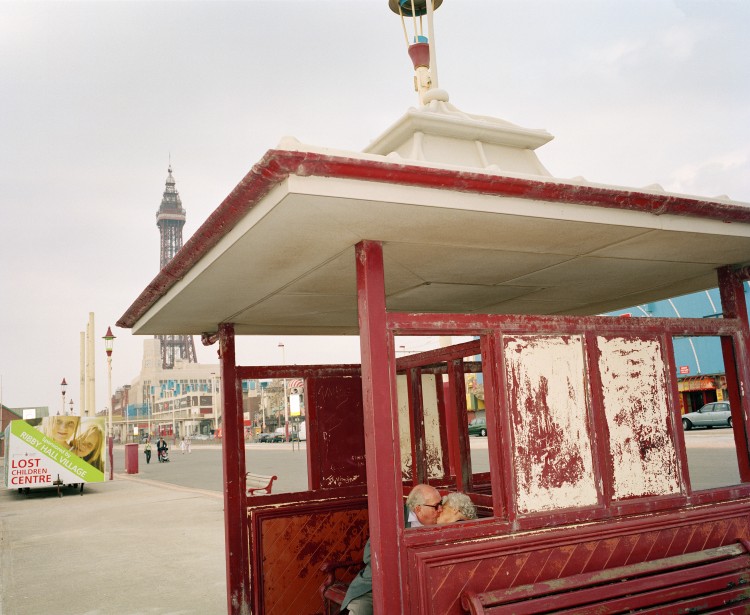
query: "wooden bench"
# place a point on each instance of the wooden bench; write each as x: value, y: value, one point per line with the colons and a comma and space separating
x: 258, y: 482
x: 715, y: 580
x: 333, y: 590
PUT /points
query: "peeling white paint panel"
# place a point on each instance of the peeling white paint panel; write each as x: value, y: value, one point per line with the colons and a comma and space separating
x: 404, y: 425
x: 552, y: 440
x: 634, y: 393
x: 433, y: 442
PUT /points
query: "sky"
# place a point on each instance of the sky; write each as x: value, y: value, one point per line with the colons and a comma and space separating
x: 96, y: 99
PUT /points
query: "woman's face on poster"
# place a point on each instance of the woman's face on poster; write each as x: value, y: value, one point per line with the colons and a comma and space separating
x: 85, y: 446
x: 64, y: 427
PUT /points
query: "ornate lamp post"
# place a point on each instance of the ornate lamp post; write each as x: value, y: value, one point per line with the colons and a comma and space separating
x: 71, y: 407
x: 63, y: 388
x: 108, y: 342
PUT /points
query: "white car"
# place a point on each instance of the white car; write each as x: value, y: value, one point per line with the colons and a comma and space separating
x: 715, y: 414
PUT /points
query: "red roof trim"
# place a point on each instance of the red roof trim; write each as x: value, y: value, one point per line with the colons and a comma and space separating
x: 277, y: 165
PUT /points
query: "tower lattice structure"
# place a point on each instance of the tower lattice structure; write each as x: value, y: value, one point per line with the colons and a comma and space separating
x: 170, y: 219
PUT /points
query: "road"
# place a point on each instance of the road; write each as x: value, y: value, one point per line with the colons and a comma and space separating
x: 202, y: 467
x: 712, y: 462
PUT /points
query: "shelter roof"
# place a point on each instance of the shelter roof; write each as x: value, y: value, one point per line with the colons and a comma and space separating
x: 470, y: 222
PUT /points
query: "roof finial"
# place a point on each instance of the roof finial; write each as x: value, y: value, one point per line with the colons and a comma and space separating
x: 421, y: 48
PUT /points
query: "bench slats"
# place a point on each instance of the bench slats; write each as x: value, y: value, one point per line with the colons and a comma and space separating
x: 662, y: 599
x: 711, y: 577
x: 735, y: 598
x: 734, y: 568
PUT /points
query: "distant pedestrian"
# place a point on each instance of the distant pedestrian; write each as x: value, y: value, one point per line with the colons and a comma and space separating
x: 183, y: 445
x: 187, y: 444
x: 161, y: 449
x: 147, y: 450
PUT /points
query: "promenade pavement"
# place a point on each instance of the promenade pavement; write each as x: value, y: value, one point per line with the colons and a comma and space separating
x: 127, y: 547
x: 151, y: 543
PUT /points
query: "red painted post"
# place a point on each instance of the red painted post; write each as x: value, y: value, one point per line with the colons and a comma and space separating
x: 384, y: 490
x: 733, y: 305
x: 455, y: 423
x: 731, y: 289
x: 233, y: 457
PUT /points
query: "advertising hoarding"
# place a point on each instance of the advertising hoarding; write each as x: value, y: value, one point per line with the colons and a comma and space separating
x: 58, y: 450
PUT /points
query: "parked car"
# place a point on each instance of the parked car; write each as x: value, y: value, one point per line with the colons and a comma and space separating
x: 715, y: 414
x: 478, y: 427
x: 200, y: 436
x: 270, y: 437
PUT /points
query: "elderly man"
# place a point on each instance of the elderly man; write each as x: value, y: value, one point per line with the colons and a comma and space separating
x: 422, y: 508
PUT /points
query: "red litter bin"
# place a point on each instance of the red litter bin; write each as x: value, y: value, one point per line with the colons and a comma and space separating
x: 131, y: 459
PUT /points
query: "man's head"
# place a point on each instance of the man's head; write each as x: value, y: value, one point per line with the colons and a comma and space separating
x: 425, y: 502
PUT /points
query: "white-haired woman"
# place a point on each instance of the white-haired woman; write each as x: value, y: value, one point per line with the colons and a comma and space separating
x: 457, y: 507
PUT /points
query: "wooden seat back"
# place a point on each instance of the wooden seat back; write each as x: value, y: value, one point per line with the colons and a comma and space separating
x: 693, y: 582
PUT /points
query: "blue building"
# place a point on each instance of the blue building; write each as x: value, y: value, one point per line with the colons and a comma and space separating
x: 698, y: 360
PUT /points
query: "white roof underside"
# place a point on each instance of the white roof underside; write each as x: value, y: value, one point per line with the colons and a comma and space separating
x: 287, y: 266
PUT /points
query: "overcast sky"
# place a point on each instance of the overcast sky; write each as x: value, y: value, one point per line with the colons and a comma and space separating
x: 96, y: 96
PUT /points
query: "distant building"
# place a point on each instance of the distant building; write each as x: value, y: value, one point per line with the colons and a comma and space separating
x: 13, y: 414
x: 698, y: 360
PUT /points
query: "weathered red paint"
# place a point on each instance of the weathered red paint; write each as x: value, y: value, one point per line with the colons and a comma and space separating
x: 384, y: 487
x: 233, y: 463
x: 419, y: 460
x: 735, y: 354
x: 335, y: 432
x: 292, y: 535
x: 476, y: 324
x: 254, y: 372
x: 456, y: 439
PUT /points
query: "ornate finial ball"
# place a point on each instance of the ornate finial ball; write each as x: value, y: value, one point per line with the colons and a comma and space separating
x: 404, y: 7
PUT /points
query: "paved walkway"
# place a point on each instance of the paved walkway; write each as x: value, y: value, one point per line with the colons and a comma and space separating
x: 126, y: 547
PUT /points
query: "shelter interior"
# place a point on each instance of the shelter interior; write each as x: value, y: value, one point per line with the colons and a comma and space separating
x: 586, y: 464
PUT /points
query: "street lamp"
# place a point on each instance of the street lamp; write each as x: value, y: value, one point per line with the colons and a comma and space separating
x: 63, y: 387
x: 108, y: 341
x: 286, y: 399
x: 214, y: 407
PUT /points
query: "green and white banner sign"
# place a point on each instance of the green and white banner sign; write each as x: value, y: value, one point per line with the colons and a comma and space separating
x: 60, y: 450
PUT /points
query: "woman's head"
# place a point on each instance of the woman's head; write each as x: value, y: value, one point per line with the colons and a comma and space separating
x: 457, y: 507
x: 62, y: 428
x: 89, y: 443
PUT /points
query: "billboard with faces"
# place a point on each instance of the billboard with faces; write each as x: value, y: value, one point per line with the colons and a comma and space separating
x: 54, y: 450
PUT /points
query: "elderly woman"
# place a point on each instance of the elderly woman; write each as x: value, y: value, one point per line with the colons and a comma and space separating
x: 457, y: 507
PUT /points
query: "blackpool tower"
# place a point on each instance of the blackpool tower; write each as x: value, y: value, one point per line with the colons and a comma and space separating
x: 170, y: 219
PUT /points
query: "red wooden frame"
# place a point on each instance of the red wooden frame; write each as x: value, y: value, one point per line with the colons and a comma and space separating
x: 402, y: 558
x: 233, y: 462
x: 384, y: 484
x: 730, y: 330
